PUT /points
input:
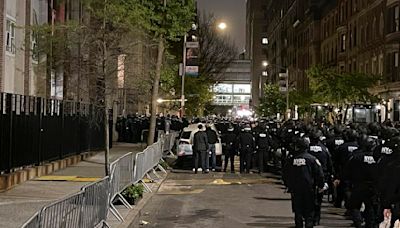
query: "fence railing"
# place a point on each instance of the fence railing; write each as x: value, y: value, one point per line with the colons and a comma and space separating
x: 90, y: 206
x: 50, y: 129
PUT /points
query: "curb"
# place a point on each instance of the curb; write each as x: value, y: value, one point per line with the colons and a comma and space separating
x: 10, y: 180
x: 137, y: 210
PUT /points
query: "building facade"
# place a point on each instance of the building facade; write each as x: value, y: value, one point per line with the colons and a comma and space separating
x: 349, y: 35
x: 235, y: 89
x: 256, y: 43
x: 19, y: 65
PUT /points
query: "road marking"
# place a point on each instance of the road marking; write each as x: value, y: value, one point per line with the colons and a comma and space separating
x: 67, y: 178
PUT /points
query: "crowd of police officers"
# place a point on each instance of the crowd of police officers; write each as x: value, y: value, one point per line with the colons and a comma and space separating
x: 134, y: 128
x: 356, y: 165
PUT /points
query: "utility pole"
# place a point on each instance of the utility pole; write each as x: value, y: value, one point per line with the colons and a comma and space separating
x: 287, y: 93
x: 183, y: 77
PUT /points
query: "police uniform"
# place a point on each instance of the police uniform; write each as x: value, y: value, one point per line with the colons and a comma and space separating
x: 230, y: 148
x: 360, y: 171
x: 262, y: 146
x: 303, y: 174
x: 320, y: 151
x: 246, y: 145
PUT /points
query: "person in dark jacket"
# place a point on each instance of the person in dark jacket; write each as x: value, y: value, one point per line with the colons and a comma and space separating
x: 343, y: 155
x: 303, y: 176
x: 361, y: 172
x: 212, y: 140
x: 200, y: 149
x: 230, y: 148
x: 246, y: 146
x: 320, y: 151
x: 388, y: 182
x: 262, y: 146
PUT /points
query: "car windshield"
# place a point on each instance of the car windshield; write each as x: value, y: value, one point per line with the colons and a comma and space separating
x: 186, y: 135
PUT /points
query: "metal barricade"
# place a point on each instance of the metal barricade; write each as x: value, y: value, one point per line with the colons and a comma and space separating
x: 95, y: 207
x: 89, y: 207
x: 64, y: 213
x: 33, y: 222
x: 122, y: 175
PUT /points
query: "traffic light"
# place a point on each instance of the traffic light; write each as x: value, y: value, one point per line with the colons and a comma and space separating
x: 283, y: 77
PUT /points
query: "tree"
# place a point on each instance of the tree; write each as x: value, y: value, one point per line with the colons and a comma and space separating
x: 216, y: 53
x: 272, y: 102
x: 334, y: 87
x: 166, y: 21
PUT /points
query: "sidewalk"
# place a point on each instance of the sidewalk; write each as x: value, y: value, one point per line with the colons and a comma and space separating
x: 23, y: 201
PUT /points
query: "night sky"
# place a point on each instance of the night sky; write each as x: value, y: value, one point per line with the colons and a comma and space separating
x: 233, y: 13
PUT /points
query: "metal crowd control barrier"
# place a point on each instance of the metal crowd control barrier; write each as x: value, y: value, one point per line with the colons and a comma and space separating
x: 122, y: 175
x: 86, y: 208
x: 95, y: 206
x: 33, y: 222
x: 63, y: 213
x: 89, y: 207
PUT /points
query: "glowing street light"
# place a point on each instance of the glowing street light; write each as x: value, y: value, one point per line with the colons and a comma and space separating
x: 264, y: 63
x: 222, y: 26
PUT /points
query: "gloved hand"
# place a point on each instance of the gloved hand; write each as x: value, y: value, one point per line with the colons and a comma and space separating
x: 326, y: 187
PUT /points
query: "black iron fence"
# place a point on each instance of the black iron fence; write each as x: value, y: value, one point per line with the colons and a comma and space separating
x: 34, y: 130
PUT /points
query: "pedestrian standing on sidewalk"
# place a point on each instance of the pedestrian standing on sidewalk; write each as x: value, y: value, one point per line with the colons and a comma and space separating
x: 200, y: 149
x: 212, y: 140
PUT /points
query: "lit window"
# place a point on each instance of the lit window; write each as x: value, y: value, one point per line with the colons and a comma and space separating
x: 264, y: 40
x: 343, y: 42
x: 10, y: 36
x: 265, y: 73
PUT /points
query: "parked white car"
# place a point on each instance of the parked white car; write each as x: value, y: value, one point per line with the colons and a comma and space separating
x: 185, y: 142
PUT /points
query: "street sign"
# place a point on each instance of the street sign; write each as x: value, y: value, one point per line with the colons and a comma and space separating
x: 192, y: 71
x: 192, y: 44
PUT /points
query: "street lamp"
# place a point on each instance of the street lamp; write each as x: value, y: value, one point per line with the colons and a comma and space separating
x: 265, y: 63
x: 222, y: 25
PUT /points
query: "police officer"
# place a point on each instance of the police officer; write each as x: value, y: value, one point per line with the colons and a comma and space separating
x: 388, y: 181
x: 246, y: 146
x: 303, y: 176
x: 343, y: 187
x: 229, y: 144
x: 360, y: 171
x: 320, y: 151
x: 262, y: 146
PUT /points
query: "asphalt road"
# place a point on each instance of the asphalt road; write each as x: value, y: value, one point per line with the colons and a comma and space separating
x: 187, y: 200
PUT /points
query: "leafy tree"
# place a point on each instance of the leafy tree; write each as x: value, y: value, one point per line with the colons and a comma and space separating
x: 272, y: 102
x: 165, y: 22
x: 334, y: 87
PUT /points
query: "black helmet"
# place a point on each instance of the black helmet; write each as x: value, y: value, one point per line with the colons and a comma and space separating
x: 394, y: 144
x: 374, y: 129
x: 366, y: 143
x: 315, y: 134
x: 350, y: 135
x: 389, y: 132
x: 300, y: 144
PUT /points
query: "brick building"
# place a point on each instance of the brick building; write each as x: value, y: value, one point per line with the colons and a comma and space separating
x: 350, y: 35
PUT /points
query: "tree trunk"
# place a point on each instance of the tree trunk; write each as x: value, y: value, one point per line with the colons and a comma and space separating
x: 107, y: 140
x: 154, y: 95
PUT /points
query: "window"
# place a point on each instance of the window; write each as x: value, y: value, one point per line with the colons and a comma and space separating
x: 343, y: 39
x: 264, y: 40
x: 242, y: 88
x: 223, y: 88
x: 10, y: 36
x: 396, y: 59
